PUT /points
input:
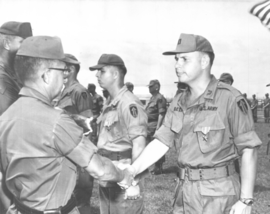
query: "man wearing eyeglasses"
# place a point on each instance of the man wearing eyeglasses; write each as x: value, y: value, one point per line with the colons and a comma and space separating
x: 11, y: 36
x: 40, y: 146
x: 76, y: 100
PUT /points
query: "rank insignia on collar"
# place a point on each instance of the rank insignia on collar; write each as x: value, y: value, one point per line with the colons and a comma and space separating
x: 133, y: 110
x: 243, y: 106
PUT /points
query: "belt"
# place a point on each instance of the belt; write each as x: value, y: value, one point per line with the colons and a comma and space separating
x: 206, y: 174
x: 61, y: 210
x: 115, y: 155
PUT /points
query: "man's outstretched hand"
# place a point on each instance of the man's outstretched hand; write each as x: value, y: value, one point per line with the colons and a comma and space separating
x: 128, y: 179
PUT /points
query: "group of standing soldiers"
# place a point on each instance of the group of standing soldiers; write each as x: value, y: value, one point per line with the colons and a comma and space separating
x: 48, y: 151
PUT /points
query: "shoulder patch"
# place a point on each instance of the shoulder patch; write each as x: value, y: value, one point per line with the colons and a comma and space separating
x: 133, y: 110
x: 84, y: 95
x: 243, y: 105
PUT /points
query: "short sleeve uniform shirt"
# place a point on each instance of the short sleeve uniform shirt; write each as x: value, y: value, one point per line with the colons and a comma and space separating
x: 75, y: 99
x: 39, y: 149
x: 211, y: 132
x: 122, y: 120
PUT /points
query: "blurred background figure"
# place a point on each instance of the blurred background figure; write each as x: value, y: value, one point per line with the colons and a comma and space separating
x: 75, y: 99
x: 130, y: 86
x: 97, y: 108
x: 180, y: 87
x: 105, y: 94
x: 266, y: 108
x: 253, y: 106
x: 156, y: 110
x: 245, y: 96
x: 226, y: 78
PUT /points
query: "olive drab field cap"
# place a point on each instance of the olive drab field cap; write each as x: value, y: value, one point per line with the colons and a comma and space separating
x: 21, y: 29
x: 42, y: 47
x: 107, y: 59
x: 191, y: 43
x: 71, y: 59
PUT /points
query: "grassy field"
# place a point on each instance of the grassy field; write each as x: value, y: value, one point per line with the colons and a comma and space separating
x: 159, y: 189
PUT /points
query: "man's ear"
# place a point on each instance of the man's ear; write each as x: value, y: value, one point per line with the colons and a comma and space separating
x: 205, y: 61
x: 46, y: 76
x: 6, y: 44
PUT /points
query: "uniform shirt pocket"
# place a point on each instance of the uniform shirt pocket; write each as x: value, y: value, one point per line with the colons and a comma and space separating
x: 66, y: 102
x: 210, y: 132
x: 112, y: 125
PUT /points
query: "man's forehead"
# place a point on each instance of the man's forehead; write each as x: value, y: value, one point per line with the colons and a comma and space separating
x: 188, y: 54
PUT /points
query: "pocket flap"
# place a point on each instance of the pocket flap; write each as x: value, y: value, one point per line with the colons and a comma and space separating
x: 65, y: 102
x: 212, y: 121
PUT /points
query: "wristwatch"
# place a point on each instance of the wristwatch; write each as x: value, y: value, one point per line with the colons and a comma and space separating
x: 247, y: 201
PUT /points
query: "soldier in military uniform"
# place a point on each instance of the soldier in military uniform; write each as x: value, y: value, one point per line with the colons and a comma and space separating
x: 130, y: 86
x: 210, y: 125
x: 76, y: 100
x: 155, y: 109
x: 122, y: 136
x: 254, y: 106
x: 11, y: 36
x: 97, y: 108
x: 40, y: 145
x: 266, y: 108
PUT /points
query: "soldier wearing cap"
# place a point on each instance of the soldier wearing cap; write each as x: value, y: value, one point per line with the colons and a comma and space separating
x: 266, y: 108
x: 97, y: 108
x: 155, y: 109
x: 130, y: 86
x: 11, y: 36
x: 75, y: 99
x: 254, y: 106
x: 40, y: 145
x: 122, y: 136
x: 210, y: 125
x: 226, y: 78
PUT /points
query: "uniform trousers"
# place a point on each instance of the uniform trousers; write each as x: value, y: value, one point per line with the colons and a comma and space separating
x: 112, y: 201
x: 215, y: 196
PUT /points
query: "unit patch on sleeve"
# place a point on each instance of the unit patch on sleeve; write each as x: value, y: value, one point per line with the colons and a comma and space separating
x: 84, y: 95
x: 133, y: 110
x: 243, y: 106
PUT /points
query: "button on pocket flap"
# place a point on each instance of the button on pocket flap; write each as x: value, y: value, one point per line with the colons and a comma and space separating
x: 212, y: 122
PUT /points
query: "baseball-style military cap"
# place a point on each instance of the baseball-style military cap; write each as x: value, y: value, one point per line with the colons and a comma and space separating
x: 190, y: 43
x: 42, y: 47
x: 226, y: 76
x: 71, y: 59
x: 107, y: 59
x: 153, y: 82
x: 21, y: 29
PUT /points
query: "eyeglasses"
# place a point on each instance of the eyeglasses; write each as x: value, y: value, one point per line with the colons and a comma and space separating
x: 61, y: 69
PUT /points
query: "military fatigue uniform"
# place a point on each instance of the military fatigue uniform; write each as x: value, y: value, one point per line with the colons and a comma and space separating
x: 266, y: 110
x: 155, y: 107
x: 254, y: 102
x: 208, y: 136
x: 39, y: 146
x: 9, y: 88
x: 97, y: 108
x: 75, y: 99
x: 122, y: 120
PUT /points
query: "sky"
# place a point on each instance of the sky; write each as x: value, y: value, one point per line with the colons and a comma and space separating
x: 140, y: 31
